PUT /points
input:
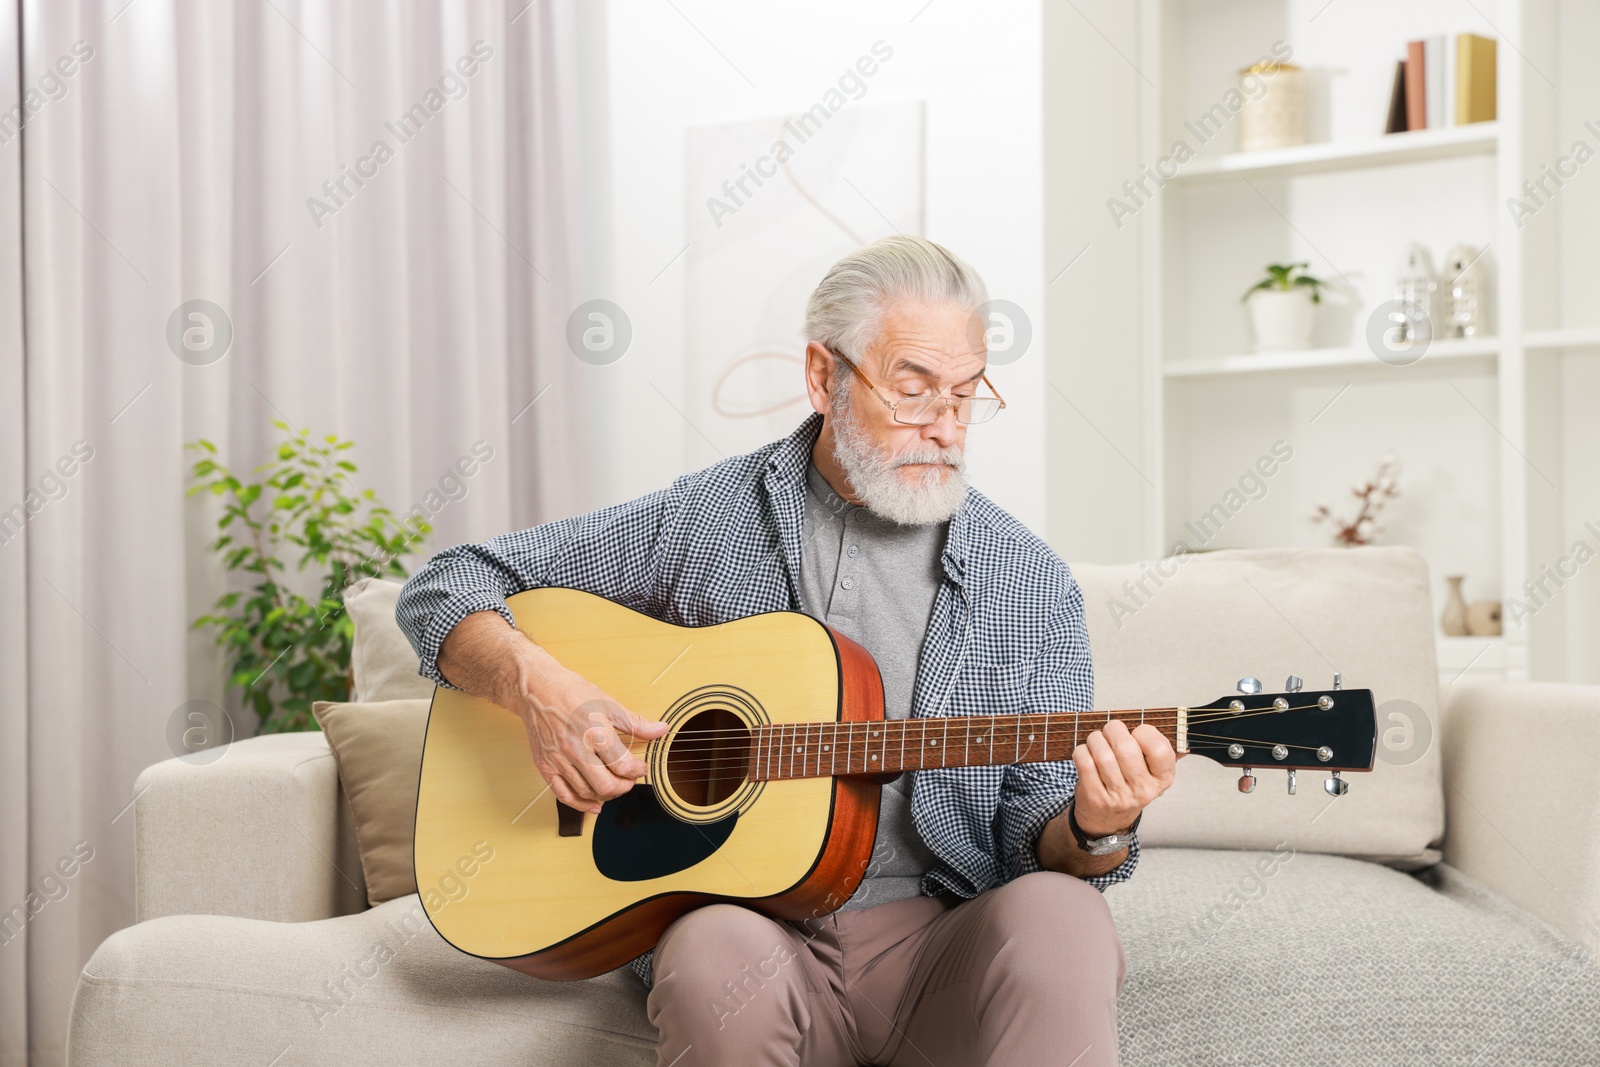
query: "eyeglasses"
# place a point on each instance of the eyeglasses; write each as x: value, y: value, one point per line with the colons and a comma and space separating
x: 927, y: 410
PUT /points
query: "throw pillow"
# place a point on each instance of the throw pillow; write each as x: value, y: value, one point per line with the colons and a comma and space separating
x: 382, y: 661
x: 378, y: 748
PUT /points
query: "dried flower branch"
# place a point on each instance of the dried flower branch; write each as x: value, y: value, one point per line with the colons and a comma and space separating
x: 1374, y: 495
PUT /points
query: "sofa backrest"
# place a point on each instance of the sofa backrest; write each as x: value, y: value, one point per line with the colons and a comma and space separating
x: 1185, y: 629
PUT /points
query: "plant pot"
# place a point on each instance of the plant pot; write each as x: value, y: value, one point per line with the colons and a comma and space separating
x: 1281, y: 320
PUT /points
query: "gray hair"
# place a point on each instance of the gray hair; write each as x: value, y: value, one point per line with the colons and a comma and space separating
x: 846, y: 308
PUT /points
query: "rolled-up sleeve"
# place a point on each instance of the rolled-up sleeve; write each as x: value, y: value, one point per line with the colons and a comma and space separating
x: 611, y: 552
x: 1031, y: 794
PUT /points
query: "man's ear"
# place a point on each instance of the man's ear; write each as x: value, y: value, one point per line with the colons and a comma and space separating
x: 819, y: 372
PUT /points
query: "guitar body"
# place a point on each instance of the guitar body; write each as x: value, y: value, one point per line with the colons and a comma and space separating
x: 498, y: 878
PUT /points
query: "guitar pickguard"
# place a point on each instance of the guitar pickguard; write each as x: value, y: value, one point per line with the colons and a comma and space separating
x: 635, y: 839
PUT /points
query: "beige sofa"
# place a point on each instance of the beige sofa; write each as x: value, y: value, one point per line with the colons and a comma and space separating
x: 1261, y: 928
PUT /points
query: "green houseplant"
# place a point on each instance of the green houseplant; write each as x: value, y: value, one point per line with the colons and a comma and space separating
x: 1280, y: 307
x: 287, y: 650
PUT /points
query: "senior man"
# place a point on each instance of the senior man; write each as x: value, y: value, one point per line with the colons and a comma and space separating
x: 978, y: 934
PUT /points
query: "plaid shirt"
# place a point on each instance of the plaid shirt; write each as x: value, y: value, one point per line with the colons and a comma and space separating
x: 1006, y: 636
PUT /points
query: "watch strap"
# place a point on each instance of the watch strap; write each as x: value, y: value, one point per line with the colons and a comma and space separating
x: 1088, y: 843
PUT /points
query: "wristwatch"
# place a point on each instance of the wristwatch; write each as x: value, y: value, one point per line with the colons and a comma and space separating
x: 1100, y: 846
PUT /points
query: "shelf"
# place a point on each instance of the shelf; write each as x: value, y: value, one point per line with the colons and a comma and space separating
x: 1541, y: 340
x: 1471, y: 659
x: 1480, y: 138
x: 1313, y: 358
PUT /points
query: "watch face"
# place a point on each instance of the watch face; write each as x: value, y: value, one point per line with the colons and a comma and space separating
x: 1107, y: 845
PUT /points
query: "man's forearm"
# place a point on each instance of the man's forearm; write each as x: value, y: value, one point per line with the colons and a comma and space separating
x: 489, y: 659
x: 1058, y: 851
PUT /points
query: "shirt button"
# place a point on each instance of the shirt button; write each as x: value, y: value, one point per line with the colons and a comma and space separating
x: 853, y: 551
x: 849, y: 583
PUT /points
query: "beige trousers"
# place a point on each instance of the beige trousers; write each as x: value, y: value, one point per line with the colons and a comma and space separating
x: 1024, y: 974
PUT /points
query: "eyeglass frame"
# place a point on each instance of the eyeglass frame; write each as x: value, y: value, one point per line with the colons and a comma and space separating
x: 950, y: 401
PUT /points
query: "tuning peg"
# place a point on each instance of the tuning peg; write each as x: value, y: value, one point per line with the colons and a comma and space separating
x: 1292, y: 783
x: 1293, y: 684
x: 1249, y: 685
x: 1336, y: 786
x: 1338, y: 680
x: 1247, y: 782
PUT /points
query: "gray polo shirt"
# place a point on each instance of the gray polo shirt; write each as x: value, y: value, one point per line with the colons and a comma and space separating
x: 875, y: 581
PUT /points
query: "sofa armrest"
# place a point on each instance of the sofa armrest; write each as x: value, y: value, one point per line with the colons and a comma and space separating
x: 261, y: 832
x: 1522, y: 799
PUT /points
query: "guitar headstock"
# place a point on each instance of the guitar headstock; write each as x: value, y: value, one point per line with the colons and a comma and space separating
x: 1333, y: 729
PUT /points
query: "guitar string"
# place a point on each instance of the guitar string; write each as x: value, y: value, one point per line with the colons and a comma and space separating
x: 1194, y: 715
x: 693, y: 747
x: 767, y: 731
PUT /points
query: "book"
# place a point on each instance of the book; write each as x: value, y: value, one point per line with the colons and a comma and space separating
x: 1475, y: 79
x: 1433, y: 74
x: 1397, y: 100
x: 1416, y: 101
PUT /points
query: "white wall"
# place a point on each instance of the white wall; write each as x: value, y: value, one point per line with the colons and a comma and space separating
x: 653, y: 69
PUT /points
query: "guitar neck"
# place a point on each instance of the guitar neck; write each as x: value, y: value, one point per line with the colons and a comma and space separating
x: 889, y: 746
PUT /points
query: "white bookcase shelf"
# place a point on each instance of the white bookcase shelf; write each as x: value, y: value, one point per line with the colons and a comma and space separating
x: 1551, y: 340
x: 1395, y: 148
x: 1484, y: 349
x: 1497, y: 435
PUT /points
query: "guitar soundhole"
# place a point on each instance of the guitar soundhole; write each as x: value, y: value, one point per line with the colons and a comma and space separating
x: 710, y: 758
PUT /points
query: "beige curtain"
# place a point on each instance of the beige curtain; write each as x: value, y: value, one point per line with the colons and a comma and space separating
x: 414, y: 299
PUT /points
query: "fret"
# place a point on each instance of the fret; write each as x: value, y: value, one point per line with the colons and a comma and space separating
x: 967, y: 755
x: 903, y: 728
x: 945, y: 743
x: 1017, y: 758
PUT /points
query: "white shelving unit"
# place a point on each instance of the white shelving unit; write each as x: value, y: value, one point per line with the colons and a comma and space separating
x: 1497, y: 435
x: 1416, y: 147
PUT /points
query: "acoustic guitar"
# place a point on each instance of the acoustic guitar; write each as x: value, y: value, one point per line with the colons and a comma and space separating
x: 765, y: 790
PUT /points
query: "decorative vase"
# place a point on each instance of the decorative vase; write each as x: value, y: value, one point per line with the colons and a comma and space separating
x: 1274, y: 111
x: 1281, y: 320
x: 1414, y: 286
x: 1483, y: 618
x: 1454, y: 619
x: 1465, y: 295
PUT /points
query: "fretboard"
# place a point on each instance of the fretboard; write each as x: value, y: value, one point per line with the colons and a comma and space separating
x: 812, y: 750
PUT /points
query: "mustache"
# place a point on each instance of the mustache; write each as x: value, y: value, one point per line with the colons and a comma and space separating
x: 950, y: 457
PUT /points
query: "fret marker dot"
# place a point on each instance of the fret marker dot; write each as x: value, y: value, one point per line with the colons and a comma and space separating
x: 824, y: 748
x: 933, y: 742
x: 874, y: 757
x: 1030, y: 737
x: 799, y: 748
x: 980, y: 740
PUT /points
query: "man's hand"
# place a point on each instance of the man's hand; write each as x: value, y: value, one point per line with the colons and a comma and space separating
x: 579, y: 736
x: 1120, y: 771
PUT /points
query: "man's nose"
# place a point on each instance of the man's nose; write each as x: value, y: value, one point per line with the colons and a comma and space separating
x: 945, y: 430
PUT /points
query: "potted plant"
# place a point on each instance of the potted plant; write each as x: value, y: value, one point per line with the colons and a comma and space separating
x: 1280, y: 307
x: 287, y: 650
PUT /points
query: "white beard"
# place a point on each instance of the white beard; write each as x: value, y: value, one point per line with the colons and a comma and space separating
x: 875, y: 474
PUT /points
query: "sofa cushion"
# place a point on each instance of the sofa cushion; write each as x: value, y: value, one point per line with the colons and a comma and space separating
x: 1233, y: 957
x: 378, y: 987
x: 1286, y: 957
x: 378, y: 747
x: 1185, y: 629
x: 383, y: 664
